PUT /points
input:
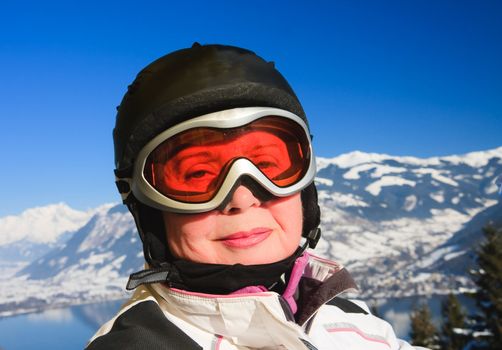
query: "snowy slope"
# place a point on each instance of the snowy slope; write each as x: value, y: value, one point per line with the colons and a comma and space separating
x: 458, y: 259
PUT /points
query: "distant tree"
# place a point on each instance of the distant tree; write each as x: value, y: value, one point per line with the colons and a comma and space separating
x: 454, y: 335
x: 423, y: 332
x: 489, y: 286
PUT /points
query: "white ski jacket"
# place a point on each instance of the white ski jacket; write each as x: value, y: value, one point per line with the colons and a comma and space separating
x: 309, y: 315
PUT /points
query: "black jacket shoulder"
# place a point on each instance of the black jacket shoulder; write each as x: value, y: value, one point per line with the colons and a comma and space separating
x: 144, y: 326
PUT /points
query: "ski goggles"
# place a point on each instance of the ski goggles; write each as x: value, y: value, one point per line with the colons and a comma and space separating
x: 194, y: 166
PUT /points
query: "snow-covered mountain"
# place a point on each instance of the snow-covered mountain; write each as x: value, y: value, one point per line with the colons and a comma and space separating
x: 402, y: 225
x: 89, y: 266
x: 386, y: 217
x: 108, y: 243
x: 381, y: 187
x: 36, y: 231
x: 42, y: 224
x: 455, y: 255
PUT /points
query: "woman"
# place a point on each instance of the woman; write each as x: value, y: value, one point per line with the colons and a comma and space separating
x: 214, y: 161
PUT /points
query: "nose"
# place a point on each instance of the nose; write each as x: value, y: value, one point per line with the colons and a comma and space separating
x: 241, y: 200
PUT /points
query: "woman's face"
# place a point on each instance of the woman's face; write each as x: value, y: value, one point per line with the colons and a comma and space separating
x: 246, y: 231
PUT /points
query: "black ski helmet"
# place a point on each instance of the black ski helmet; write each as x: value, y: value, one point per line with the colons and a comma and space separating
x: 186, y: 84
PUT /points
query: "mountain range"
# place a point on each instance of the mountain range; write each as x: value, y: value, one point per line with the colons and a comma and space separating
x: 403, y: 226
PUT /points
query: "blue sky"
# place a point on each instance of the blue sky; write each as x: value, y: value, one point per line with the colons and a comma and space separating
x: 419, y: 78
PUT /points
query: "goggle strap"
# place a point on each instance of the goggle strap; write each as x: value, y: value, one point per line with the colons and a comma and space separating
x: 124, y: 172
x: 123, y: 180
x: 124, y: 187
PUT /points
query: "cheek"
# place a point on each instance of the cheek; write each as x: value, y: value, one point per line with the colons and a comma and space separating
x: 186, y: 233
x: 289, y: 215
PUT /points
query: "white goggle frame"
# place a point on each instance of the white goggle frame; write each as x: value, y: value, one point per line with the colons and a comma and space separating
x: 230, y: 118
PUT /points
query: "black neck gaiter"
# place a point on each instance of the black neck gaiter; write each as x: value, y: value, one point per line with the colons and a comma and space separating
x: 225, y: 279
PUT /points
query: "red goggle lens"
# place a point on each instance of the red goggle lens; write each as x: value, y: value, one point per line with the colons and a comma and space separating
x: 191, y: 166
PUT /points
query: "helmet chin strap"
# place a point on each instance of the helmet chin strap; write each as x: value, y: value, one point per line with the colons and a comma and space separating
x: 312, y: 238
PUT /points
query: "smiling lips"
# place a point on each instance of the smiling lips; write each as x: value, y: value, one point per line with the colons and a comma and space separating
x: 246, y: 239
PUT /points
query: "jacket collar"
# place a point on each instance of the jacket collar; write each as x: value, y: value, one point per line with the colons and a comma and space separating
x: 245, y: 317
x: 322, y: 281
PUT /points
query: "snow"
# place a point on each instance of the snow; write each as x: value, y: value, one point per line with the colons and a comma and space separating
x: 410, y: 202
x: 454, y: 255
x: 484, y: 333
x: 491, y: 188
x: 323, y: 181
x: 376, y: 186
x: 490, y: 172
x: 322, y: 163
x: 386, y: 169
x: 96, y: 259
x: 435, y: 256
x: 421, y: 277
x: 489, y: 202
x: 342, y: 200
x: 379, y: 170
x: 62, y: 260
x: 117, y: 263
x: 348, y: 160
x: 475, y: 159
x: 437, y: 196
x: 389, y: 248
x: 436, y: 175
x: 120, y: 223
x: 74, y: 286
x: 353, y: 174
x: 44, y: 224
x: 8, y: 269
x: 354, y: 158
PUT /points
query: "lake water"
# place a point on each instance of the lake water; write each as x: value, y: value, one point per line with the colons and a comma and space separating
x: 66, y: 328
